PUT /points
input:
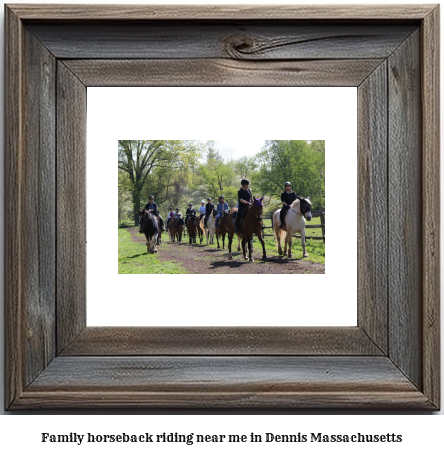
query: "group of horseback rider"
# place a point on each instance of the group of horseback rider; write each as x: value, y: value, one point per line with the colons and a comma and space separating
x: 245, y: 200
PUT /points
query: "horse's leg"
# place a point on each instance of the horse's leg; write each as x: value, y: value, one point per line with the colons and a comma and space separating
x: 264, y: 253
x: 223, y: 241
x: 217, y: 238
x: 250, y: 249
x: 286, y: 244
x: 238, y: 244
x: 244, y: 248
x: 156, y: 236
x: 230, y: 241
x: 303, y: 243
x: 290, y: 242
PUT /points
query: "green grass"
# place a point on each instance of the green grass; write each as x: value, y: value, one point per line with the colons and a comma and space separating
x: 134, y: 259
x: 314, y: 247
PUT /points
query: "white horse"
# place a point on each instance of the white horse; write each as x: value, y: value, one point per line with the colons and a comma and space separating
x: 294, y: 223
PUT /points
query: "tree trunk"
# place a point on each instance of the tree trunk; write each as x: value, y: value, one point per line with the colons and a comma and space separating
x: 136, y: 206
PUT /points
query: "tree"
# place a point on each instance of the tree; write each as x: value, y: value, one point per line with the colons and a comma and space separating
x: 140, y: 159
x: 300, y: 162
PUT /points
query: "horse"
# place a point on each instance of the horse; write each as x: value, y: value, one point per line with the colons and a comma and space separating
x: 223, y: 230
x: 204, y: 229
x: 192, y: 228
x: 211, y: 224
x: 179, y: 225
x: 251, y: 224
x: 294, y: 223
x: 149, y: 226
x: 200, y: 228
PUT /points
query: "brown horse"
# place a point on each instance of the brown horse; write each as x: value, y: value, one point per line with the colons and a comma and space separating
x: 222, y: 230
x: 175, y: 228
x: 192, y: 228
x: 251, y: 224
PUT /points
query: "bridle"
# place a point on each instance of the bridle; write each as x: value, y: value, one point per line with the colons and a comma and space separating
x: 297, y: 212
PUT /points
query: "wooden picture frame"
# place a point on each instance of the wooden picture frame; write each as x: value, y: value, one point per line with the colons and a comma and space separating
x: 390, y: 360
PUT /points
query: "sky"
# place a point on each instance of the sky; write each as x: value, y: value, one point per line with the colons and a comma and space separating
x: 237, y: 148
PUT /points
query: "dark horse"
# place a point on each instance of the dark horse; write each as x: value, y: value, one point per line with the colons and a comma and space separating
x: 222, y: 229
x: 251, y: 224
x: 176, y: 228
x: 192, y: 228
x: 149, y: 226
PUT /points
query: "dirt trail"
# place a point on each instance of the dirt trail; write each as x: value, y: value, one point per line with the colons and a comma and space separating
x: 208, y: 259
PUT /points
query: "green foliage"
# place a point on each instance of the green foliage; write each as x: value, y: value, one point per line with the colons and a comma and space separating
x: 156, y: 167
x: 134, y: 259
x: 300, y: 162
x: 173, y: 172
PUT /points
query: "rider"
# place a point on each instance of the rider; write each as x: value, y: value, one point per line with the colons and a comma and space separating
x: 151, y: 206
x: 170, y: 216
x: 288, y: 197
x: 222, y: 207
x: 177, y: 214
x: 201, y: 210
x: 245, y: 201
x: 190, y: 212
x: 209, y: 208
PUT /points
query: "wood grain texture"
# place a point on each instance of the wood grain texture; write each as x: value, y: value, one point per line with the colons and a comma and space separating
x: 407, y: 378
x: 259, y: 40
x: 13, y: 209
x: 405, y: 209
x: 430, y: 205
x: 209, y: 72
x: 373, y: 206
x: 38, y: 212
x: 290, y: 382
x: 220, y: 12
x: 128, y: 341
x: 71, y: 206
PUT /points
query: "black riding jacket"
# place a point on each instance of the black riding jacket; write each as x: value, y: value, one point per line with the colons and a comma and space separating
x: 209, y: 209
x: 246, y: 195
x: 191, y: 212
x: 288, y: 197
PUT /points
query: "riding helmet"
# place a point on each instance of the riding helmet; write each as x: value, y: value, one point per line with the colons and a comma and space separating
x: 245, y: 182
x: 287, y: 184
x: 208, y: 199
x: 171, y: 208
x: 220, y: 197
x: 202, y: 202
x: 151, y: 197
x: 190, y: 204
x: 177, y: 209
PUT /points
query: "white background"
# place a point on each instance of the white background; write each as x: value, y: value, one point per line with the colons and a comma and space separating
x: 257, y: 112
x: 19, y: 434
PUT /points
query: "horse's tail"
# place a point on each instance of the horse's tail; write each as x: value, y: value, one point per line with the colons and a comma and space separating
x: 278, y: 234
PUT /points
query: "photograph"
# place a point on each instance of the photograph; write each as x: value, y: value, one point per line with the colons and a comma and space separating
x: 221, y: 206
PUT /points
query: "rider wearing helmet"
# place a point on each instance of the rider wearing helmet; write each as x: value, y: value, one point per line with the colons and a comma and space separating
x: 222, y: 207
x: 177, y: 214
x: 245, y: 201
x: 170, y: 215
x: 151, y: 206
x: 190, y: 212
x: 287, y: 198
x: 201, y: 210
x: 209, y: 208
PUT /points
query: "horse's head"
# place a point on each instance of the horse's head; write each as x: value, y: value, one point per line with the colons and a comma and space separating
x: 258, y: 206
x: 306, y: 208
x: 147, y: 221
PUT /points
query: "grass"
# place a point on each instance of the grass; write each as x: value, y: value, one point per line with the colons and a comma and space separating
x: 134, y: 259
x: 315, y: 249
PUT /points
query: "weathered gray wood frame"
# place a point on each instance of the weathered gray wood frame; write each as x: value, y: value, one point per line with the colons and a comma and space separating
x: 390, y: 360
